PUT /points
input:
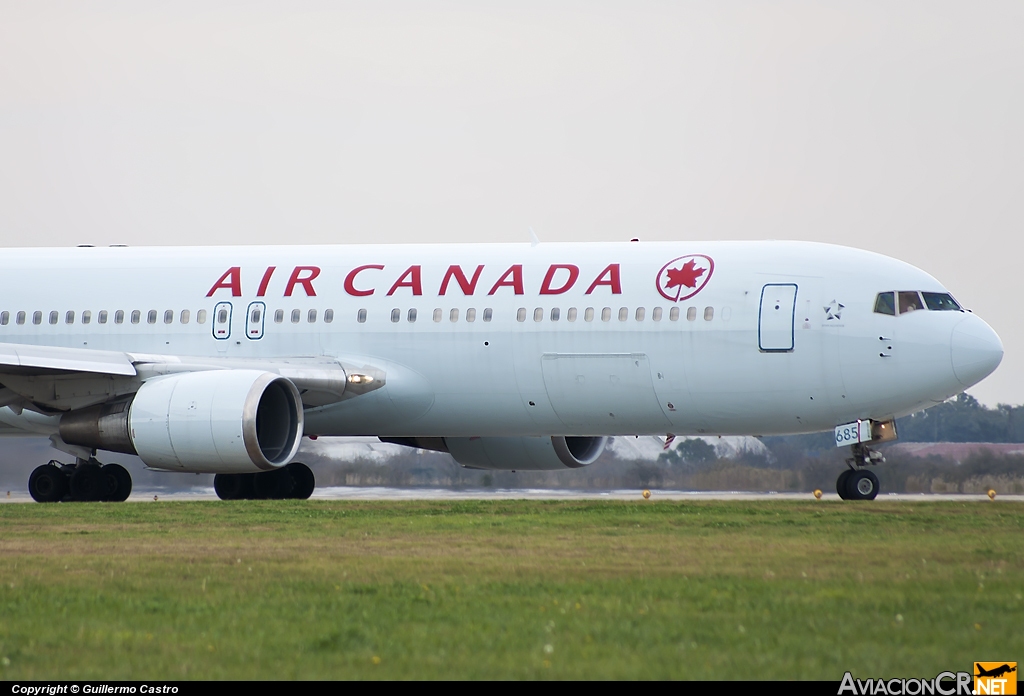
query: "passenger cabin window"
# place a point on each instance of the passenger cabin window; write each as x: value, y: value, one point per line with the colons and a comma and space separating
x: 709, y: 313
x: 940, y: 302
x: 910, y: 301
x: 5, y: 318
x: 673, y: 314
x: 588, y: 314
x: 311, y: 316
x: 656, y: 314
x: 53, y: 317
x: 296, y: 316
x: 396, y: 315
x: 168, y: 316
x: 184, y: 316
x: 328, y: 316
x: 201, y: 316
x: 471, y: 315
x: 623, y: 313
x: 279, y: 316
x: 86, y: 316
x: 69, y: 318
x: 453, y: 316
x: 37, y: 317
x: 554, y: 314
x: 21, y: 318
x: 410, y: 317
x: 119, y: 316
x: 151, y: 316
x: 438, y: 315
x: 361, y: 316
x: 885, y: 303
x: 691, y: 313
x: 102, y: 316
x: 606, y: 314
x: 488, y: 314
x: 571, y: 314
x: 538, y: 314
x: 521, y: 314
x: 640, y: 311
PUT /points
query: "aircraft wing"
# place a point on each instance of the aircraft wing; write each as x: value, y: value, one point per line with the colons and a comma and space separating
x: 50, y: 379
x: 37, y: 359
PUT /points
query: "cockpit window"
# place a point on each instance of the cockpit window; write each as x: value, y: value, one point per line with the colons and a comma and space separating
x: 940, y: 301
x: 885, y: 303
x: 909, y: 301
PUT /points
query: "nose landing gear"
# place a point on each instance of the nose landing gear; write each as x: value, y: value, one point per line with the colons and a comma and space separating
x: 858, y: 483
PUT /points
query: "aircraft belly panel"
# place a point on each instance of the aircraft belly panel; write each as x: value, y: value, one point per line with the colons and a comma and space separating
x: 610, y: 393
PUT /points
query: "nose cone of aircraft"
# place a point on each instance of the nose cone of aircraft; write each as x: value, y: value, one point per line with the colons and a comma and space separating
x: 975, y: 349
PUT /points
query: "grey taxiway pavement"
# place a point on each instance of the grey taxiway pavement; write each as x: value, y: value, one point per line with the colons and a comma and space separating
x: 381, y: 493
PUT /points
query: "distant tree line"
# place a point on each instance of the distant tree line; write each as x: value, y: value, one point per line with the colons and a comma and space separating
x: 961, y: 419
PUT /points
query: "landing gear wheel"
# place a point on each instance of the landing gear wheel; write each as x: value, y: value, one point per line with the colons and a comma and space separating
x: 841, y: 483
x: 119, y: 483
x: 47, y: 484
x: 88, y: 482
x: 274, y: 485
x: 233, y: 486
x: 861, y: 485
x: 304, y: 481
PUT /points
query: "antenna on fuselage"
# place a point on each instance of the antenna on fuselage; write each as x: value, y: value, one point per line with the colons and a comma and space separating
x: 534, y: 241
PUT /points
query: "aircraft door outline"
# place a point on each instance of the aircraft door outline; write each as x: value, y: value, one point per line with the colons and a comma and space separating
x: 776, y: 318
x: 255, y: 317
x: 222, y: 321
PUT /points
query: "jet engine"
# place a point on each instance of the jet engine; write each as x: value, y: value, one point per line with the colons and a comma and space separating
x: 216, y: 421
x: 514, y: 453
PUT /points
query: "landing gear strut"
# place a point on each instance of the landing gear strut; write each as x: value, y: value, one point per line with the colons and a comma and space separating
x: 857, y: 482
x: 81, y: 481
x: 293, y: 481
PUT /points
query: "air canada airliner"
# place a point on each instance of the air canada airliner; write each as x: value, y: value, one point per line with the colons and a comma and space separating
x: 507, y: 356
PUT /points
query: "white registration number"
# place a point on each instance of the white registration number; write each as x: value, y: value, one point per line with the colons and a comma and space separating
x: 852, y: 433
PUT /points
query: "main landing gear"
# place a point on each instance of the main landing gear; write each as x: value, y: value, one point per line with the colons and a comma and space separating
x: 857, y: 482
x: 292, y: 481
x: 88, y: 480
x: 81, y: 481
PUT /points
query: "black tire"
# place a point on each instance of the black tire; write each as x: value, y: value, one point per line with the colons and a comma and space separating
x: 841, y: 483
x: 304, y: 481
x: 47, y: 484
x: 119, y: 483
x: 88, y: 483
x: 233, y: 486
x: 862, y: 485
x: 273, y: 485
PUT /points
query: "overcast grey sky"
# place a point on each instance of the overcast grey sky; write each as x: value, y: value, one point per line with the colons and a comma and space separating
x: 892, y: 126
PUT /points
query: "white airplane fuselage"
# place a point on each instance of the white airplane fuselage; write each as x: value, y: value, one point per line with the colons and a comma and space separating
x: 517, y: 340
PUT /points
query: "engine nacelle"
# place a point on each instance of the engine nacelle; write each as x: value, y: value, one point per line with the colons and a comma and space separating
x: 217, y: 421
x: 525, y: 453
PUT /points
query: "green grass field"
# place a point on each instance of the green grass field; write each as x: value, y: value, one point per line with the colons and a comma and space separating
x: 508, y: 589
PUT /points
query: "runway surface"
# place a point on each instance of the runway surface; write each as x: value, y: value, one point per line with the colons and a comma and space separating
x: 381, y: 493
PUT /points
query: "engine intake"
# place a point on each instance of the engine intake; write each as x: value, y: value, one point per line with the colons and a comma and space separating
x: 217, y: 421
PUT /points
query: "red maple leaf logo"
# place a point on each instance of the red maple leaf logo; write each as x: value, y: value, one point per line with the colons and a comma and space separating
x: 687, y: 275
